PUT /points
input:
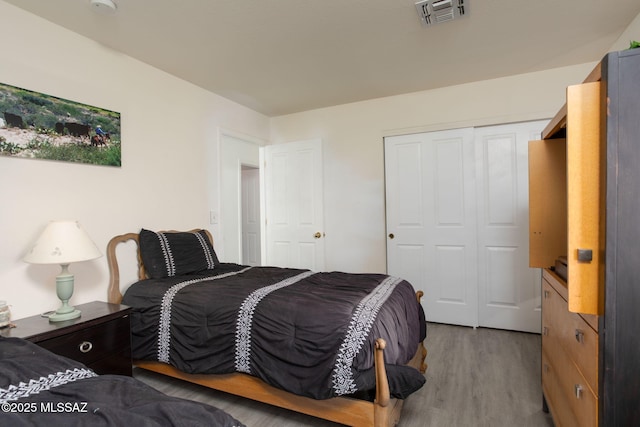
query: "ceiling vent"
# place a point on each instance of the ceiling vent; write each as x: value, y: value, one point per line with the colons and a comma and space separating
x: 437, y: 11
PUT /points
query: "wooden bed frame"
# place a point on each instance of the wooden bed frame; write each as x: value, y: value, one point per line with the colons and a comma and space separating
x: 384, y: 411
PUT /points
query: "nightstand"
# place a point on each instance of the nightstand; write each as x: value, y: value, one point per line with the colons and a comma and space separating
x: 100, y: 338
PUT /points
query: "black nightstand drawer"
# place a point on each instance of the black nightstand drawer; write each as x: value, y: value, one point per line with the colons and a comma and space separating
x: 100, y: 338
x: 92, y: 344
x: 115, y: 364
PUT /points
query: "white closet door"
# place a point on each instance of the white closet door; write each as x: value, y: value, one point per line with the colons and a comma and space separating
x: 509, y: 291
x: 457, y: 224
x: 431, y: 220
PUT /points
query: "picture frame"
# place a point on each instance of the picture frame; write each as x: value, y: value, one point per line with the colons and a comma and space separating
x: 39, y: 126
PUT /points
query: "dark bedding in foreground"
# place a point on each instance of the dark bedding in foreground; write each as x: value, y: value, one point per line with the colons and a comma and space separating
x: 312, y: 334
x: 39, y: 388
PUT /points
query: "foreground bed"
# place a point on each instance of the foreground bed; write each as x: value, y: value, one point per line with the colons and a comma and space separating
x: 39, y: 388
x: 296, y: 339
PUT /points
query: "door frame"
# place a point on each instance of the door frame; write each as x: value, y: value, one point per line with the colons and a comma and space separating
x: 229, y: 214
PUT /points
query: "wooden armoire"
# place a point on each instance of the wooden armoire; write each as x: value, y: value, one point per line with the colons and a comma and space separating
x: 585, y: 234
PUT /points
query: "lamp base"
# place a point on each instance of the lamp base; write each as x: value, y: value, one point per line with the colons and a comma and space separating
x: 61, y: 317
x: 64, y: 289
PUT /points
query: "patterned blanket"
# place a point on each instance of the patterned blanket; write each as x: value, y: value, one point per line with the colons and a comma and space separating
x: 39, y: 388
x: 308, y: 333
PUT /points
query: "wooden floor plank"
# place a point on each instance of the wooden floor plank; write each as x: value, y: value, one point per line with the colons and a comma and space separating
x: 476, y: 377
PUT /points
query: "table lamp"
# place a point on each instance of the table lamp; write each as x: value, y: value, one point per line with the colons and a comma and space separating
x: 63, y: 242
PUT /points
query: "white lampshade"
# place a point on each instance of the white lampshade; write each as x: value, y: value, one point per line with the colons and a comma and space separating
x: 62, y: 242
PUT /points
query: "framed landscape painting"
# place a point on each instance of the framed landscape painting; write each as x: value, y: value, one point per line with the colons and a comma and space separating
x: 38, y: 126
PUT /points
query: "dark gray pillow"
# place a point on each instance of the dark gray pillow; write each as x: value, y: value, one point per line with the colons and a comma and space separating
x: 403, y: 380
x: 166, y: 254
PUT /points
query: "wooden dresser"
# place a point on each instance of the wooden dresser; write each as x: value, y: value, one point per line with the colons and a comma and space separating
x: 585, y: 204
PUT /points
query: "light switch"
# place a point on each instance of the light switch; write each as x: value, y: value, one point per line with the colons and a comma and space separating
x: 213, y: 217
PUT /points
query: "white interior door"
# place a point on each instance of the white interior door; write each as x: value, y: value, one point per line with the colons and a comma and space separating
x: 294, y: 205
x: 251, y: 235
x: 509, y: 291
x: 431, y: 220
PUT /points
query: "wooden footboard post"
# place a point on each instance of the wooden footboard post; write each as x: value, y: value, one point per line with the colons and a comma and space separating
x: 383, y: 394
x: 382, y: 383
x: 421, y: 347
x: 386, y: 410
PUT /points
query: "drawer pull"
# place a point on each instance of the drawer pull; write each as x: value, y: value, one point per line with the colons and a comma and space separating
x: 578, y: 390
x: 580, y: 336
x: 545, y: 331
x: 85, y: 347
x: 546, y: 294
x: 585, y: 255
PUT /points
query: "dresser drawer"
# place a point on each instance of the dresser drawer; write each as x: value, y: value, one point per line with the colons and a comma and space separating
x: 107, y: 340
x: 572, y: 333
x: 581, y: 344
x: 568, y: 392
x: 556, y: 398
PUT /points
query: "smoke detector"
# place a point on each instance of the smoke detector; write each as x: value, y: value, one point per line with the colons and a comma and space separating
x: 105, y: 7
x: 437, y: 11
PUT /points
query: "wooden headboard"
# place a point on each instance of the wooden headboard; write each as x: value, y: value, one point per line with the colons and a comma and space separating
x: 114, y: 294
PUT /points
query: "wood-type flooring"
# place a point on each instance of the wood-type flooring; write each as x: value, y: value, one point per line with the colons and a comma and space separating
x: 476, y: 377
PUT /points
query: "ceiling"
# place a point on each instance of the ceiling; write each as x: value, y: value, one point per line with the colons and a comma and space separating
x: 284, y: 56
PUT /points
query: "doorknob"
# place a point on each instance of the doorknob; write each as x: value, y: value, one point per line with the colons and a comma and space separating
x: 391, y: 236
x: 317, y: 235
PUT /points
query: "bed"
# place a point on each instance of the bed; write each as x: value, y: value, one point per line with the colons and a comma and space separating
x: 343, y: 347
x: 40, y: 388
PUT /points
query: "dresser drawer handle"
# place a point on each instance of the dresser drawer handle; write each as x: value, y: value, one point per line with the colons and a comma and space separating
x: 585, y: 255
x: 578, y: 390
x: 85, y: 346
x: 580, y: 336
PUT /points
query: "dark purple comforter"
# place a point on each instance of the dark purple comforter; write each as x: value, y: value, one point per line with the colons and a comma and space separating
x: 309, y: 333
x: 39, y: 388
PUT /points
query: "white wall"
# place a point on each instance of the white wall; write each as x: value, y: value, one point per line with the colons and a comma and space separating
x: 352, y: 137
x: 168, y: 178
x: 632, y: 32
